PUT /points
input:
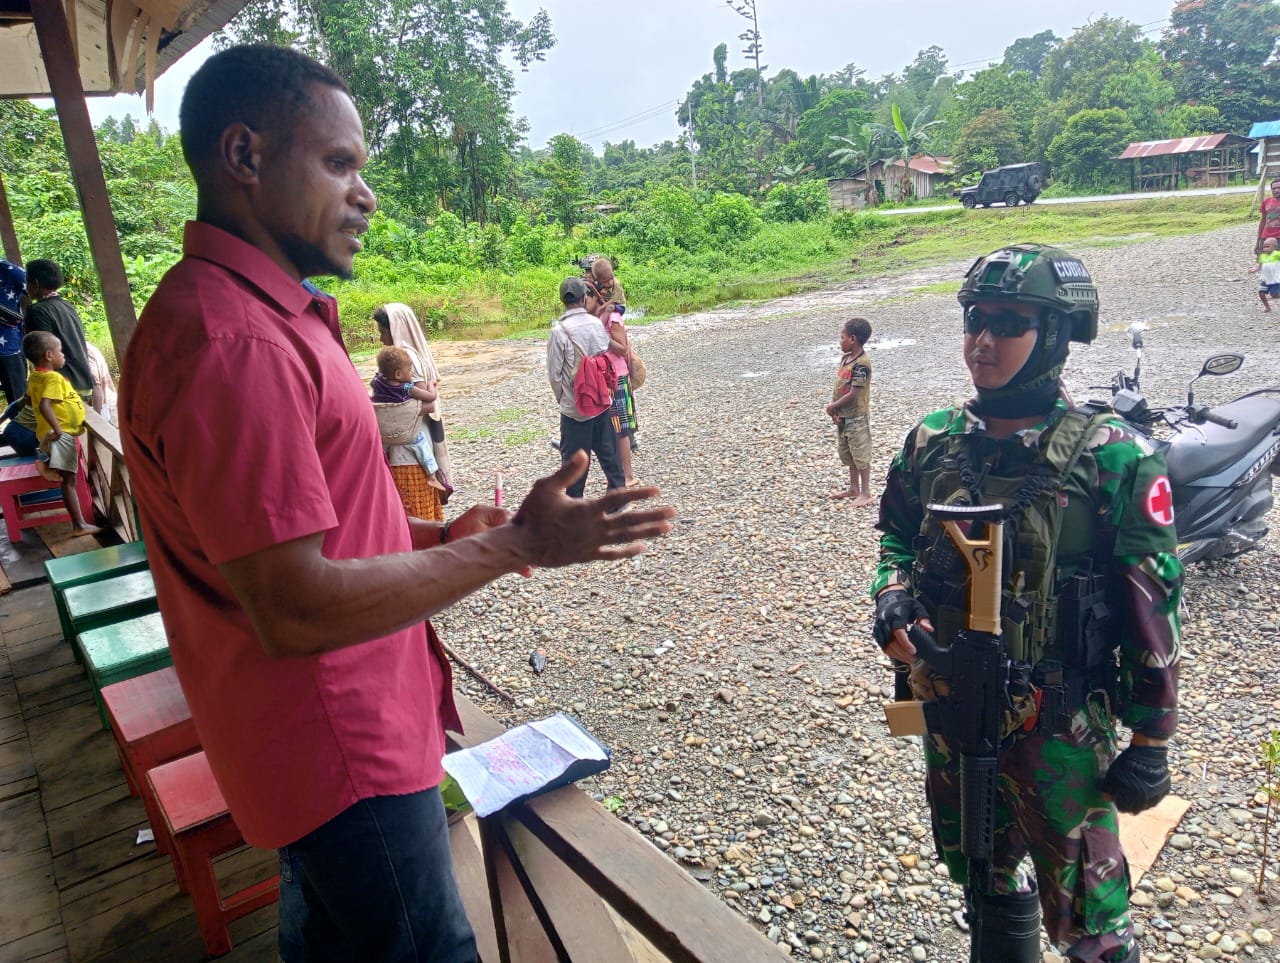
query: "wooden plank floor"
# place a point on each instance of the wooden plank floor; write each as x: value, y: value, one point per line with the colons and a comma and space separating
x: 74, y: 883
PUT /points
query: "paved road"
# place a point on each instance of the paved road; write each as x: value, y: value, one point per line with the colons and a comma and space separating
x: 1143, y: 196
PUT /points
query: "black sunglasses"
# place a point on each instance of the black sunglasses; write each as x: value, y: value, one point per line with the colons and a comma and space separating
x: 1001, y: 324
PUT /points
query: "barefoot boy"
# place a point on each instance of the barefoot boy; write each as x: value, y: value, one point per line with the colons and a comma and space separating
x: 59, y: 418
x: 1268, y: 271
x: 849, y: 410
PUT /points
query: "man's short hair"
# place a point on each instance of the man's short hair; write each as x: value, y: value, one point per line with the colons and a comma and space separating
x: 392, y: 359
x: 267, y: 88
x: 859, y: 328
x: 573, y: 291
x: 601, y: 268
x: 45, y: 273
x: 37, y: 344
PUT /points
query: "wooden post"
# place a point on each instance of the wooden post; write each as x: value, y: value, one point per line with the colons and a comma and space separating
x: 63, y: 72
x: 8, y: 236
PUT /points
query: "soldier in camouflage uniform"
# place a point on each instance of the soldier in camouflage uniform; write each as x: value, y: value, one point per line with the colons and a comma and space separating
x: 1091, y: 590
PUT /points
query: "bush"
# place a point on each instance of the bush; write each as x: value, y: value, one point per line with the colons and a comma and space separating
x: 492, y: 250
x: 788, y: 203
x: 852, y: 225
x: 730, y: 217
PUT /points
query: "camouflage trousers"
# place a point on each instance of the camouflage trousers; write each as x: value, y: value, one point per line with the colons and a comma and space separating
x: 1049, y: 807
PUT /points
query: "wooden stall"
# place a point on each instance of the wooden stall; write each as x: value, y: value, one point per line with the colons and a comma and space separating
x: 1212, y: 160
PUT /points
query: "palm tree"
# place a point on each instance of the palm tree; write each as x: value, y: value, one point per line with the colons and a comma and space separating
x: 858, y: 152
x: 905, y: 141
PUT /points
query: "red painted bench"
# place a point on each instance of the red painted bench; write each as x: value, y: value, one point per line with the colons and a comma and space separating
x: 21, y: 479
x: 151, y: 725
x: 199, y: 828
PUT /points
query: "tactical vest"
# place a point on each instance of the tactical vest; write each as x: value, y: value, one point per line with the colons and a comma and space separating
x: 1058, y: 537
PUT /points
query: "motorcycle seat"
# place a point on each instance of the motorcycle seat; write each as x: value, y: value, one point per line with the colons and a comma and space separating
x: 1190, y: 457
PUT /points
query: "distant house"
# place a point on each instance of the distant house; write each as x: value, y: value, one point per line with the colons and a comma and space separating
x: 928, y: 175
x: 1267, y: 133
x: 1210, y: 160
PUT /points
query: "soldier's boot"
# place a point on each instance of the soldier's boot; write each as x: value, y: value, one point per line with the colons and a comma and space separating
x: 1133, y: 956
x: 1010, y: 929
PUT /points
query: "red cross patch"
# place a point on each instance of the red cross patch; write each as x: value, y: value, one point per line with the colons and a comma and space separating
x: 1160, y: 501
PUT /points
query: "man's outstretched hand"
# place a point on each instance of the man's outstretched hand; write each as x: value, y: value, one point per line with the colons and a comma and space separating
x: 557, y: 530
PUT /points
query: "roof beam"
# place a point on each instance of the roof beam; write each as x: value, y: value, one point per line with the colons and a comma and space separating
x: 56, y: 49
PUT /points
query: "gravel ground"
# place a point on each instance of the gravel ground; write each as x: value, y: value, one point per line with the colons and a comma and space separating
x: 731, y: 668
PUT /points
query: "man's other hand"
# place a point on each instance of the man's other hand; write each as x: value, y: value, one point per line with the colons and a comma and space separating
x: 557, y: 530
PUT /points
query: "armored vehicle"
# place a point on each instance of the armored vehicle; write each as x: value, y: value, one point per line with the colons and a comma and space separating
x: 1010, y: 185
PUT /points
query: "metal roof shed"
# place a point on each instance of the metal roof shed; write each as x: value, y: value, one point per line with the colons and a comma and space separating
x: 1208, y: 160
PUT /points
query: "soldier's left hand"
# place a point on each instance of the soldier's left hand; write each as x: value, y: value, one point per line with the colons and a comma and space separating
x: 1139, y: 778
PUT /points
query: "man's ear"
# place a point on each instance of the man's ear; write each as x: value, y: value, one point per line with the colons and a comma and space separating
x: 240, y: 152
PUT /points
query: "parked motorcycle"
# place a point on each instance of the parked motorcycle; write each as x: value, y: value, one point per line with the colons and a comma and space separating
x: 1220, y: 459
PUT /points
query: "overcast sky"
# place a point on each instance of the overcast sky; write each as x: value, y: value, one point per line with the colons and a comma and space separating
x: 619, y: 68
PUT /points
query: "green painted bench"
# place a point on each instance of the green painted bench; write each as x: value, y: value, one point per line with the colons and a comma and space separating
x: 110, y: 600
x: 85, y: 568
x: 123, y: 650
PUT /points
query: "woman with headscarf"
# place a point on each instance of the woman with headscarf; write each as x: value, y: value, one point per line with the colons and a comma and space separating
x: 398, y: 325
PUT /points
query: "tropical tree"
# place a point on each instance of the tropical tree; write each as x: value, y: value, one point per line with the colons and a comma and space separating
x: 905, y: 141
x: 1084, y: 153
x: 431, y: 79
x: 564, y: 172
x: 991, y: 136
x: 1223, y: 53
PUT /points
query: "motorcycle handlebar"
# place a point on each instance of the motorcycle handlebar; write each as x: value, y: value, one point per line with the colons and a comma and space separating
x: 1198, y: 416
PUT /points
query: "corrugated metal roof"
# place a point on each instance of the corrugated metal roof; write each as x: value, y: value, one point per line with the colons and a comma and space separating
x: 1179, y: 145
x: 926, y: 164
x: 1265, y: 128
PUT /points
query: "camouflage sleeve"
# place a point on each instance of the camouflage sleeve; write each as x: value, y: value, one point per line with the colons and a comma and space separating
x: 1148, y: 579
x: 900, y: 518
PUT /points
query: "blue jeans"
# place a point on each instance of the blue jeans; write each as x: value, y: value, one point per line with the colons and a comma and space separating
x: 374, y: 884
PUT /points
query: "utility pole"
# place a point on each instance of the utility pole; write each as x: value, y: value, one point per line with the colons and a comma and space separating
x: 693, y: 151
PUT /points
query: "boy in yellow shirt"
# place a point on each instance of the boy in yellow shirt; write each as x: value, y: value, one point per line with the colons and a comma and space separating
x: 59, y: 418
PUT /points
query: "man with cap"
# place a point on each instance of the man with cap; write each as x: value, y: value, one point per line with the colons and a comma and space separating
x: 1088, y: 621
x: 576, y: 338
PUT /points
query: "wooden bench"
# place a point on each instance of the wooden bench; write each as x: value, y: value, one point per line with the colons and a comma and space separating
x: 23, y: 478
x: 151, y: 725
x: 113, y: 599
x: 123, y: 650
x: 85, y: 568
x: 198, y: 828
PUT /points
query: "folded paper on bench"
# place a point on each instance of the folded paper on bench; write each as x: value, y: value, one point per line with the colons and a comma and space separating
x: 525, y: 761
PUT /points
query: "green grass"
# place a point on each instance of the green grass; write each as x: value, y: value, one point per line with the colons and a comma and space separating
x: 781, y: 259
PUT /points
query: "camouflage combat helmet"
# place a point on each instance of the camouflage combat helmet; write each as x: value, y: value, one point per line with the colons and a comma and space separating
x: 1040, y: 275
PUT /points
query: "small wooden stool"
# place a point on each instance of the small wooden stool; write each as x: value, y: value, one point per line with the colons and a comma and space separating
x: 151, y: 725
x: 20, y: 479
x: 200, y: 828
x: 123, y: 650
x: 84, y: 568
x: 113, y: 599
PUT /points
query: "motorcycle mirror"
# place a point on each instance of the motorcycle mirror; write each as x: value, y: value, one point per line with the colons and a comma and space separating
x: 1218, y: 364
x: 1221, y: 364
x: 1135, y: 335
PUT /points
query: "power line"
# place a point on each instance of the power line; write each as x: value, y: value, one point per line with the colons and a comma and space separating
x: 631, y: 121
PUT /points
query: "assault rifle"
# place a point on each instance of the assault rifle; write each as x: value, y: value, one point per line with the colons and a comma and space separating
x: 969, y: 715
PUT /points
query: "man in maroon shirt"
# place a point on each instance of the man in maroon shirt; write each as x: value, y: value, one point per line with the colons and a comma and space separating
x: 294, y: 591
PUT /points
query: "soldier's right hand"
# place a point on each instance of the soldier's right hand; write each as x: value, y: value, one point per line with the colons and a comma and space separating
x: 896, y: 611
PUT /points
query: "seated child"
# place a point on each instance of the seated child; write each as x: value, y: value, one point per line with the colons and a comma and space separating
x: 59, y: 419
x: 392, y: 385
x: 1268, y: 269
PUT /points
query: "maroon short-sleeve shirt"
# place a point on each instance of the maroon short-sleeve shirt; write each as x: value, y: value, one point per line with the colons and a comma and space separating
x: 245, y: 425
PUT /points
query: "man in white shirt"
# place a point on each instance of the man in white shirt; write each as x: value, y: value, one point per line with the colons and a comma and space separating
x: 576, y: 336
